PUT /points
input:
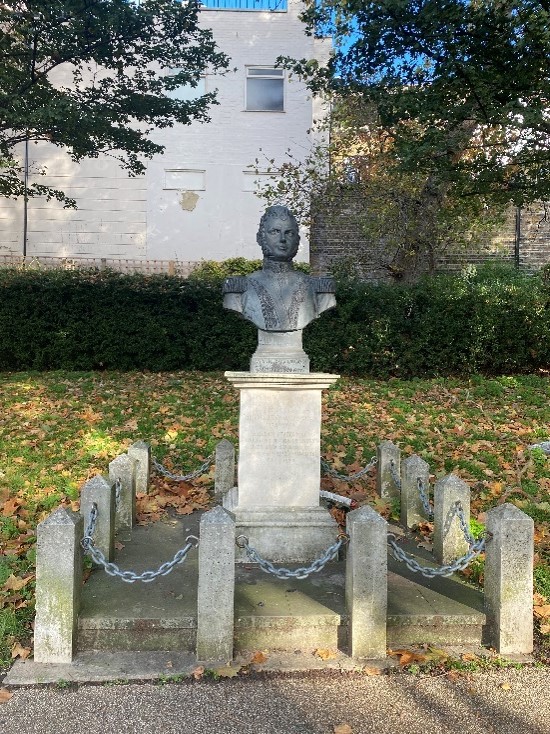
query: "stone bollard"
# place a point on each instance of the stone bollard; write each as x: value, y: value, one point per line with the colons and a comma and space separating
x: 141, y: 453
x: 216, y: 593
x: 387, y: 452
x: 412, y: 510
x: 101, y: 492
x: 367, y: 583
x: 224, y: 478
x: 449, y: 542
x: 509, y: 580
x: 123, y: 468
x: 58, y: 585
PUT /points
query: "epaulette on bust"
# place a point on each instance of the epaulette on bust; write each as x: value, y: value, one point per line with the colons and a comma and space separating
x: 236, y: 284
x: 326, y: 285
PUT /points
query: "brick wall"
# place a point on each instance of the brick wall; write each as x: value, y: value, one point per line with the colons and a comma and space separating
x: 337, y: 234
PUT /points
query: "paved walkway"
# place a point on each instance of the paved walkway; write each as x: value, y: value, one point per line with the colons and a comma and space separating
x: 498, y: 702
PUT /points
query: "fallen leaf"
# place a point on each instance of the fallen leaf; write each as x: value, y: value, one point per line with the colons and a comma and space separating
x: 17, y: 651
x: 15, y: 583
x: 198, y: 672
x: 545, y: 629
x: 343, y: 729
x: 5, y: 695
x: 258, y: 658
x: 10, y: 507
x: 406, y: 657
x: 325, y: 654
x: 469, y: 657
x: 542, y: 611
x: 119, y: 545
x: 506, y: 687
x: 227, y: 671
x: 372, y: 671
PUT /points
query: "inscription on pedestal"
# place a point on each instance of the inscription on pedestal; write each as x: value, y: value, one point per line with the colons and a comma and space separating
x: 279, y: 450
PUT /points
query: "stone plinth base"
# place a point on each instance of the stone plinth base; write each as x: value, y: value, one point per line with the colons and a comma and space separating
x: 279, y: 351
x: 286, y: 535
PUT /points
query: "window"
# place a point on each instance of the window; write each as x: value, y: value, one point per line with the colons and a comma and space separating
x: 264, y: 89
x: 185, y: 92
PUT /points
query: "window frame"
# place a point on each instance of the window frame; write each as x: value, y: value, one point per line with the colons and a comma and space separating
x: 277, y: 74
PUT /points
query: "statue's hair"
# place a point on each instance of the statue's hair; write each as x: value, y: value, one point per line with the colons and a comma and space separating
x: 278, y: 211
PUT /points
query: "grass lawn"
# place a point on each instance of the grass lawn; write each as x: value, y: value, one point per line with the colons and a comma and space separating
x: 58, y: 429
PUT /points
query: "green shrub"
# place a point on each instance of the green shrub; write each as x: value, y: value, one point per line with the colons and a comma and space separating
x: 492, y: 321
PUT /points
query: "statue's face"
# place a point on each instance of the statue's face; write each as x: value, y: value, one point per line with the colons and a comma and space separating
x: 280, y: 239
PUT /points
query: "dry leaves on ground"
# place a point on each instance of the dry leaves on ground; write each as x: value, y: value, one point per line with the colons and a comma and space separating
x: 325, y: 654
x: 5, y: 695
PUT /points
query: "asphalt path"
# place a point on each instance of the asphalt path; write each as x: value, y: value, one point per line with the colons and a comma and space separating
x: 509, y: 701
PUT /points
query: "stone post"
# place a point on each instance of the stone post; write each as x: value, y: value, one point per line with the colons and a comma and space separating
x: 123, y: 468
x: 509, y: 580
x: 412, y: 510
x: 141, y: 453
x: 58, y: 585
x: 367, y: 583
x: 224, y: 477
x: 216, y: 592
x: 101, y: 492
x: 385, y: 483
x: 449, y: 542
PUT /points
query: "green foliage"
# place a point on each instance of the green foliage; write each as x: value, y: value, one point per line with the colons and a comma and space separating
x: 407, y: 218
x: 461, y: 85
x: 492, y: 321
x: 95, y: 76
x: 541, y: 575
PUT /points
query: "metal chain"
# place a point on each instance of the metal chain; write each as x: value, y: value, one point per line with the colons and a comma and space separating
x: 423, y: 492
x: 458, y: 511
x: 476, y: 547
x: 184, y: 477
x: 131, y: 577
x: 286, y: 573
x: 394, y: 475
x: 348, y: 477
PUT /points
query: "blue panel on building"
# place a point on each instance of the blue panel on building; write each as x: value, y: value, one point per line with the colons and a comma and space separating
x: 274, y: 6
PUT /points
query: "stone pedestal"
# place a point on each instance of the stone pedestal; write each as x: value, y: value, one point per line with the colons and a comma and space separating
x: 279, y: 465
x: 279, y: 351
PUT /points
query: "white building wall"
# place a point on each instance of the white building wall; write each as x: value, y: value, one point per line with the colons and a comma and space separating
x: 196, y: 201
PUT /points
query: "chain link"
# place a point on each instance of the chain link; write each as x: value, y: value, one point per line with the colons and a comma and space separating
x: 348, y: 477
x: 131, y: 577
x: 458, y: 511
x: 476, y: 547
x: 184, y: 477
x: 423, y: 492
x: 286, y: 573
x: 394, y: 475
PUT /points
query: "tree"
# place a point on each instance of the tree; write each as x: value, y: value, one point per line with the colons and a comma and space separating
x: 407, y: 219
x: 462, y: 86
x: 92, y: 77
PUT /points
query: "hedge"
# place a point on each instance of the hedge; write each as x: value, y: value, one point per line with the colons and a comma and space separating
x: 492, y: 321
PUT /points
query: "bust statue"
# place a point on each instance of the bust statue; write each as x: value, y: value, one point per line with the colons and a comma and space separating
x: 279, y: 298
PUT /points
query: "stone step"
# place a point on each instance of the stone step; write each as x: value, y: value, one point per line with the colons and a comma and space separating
x: 270, y: 613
